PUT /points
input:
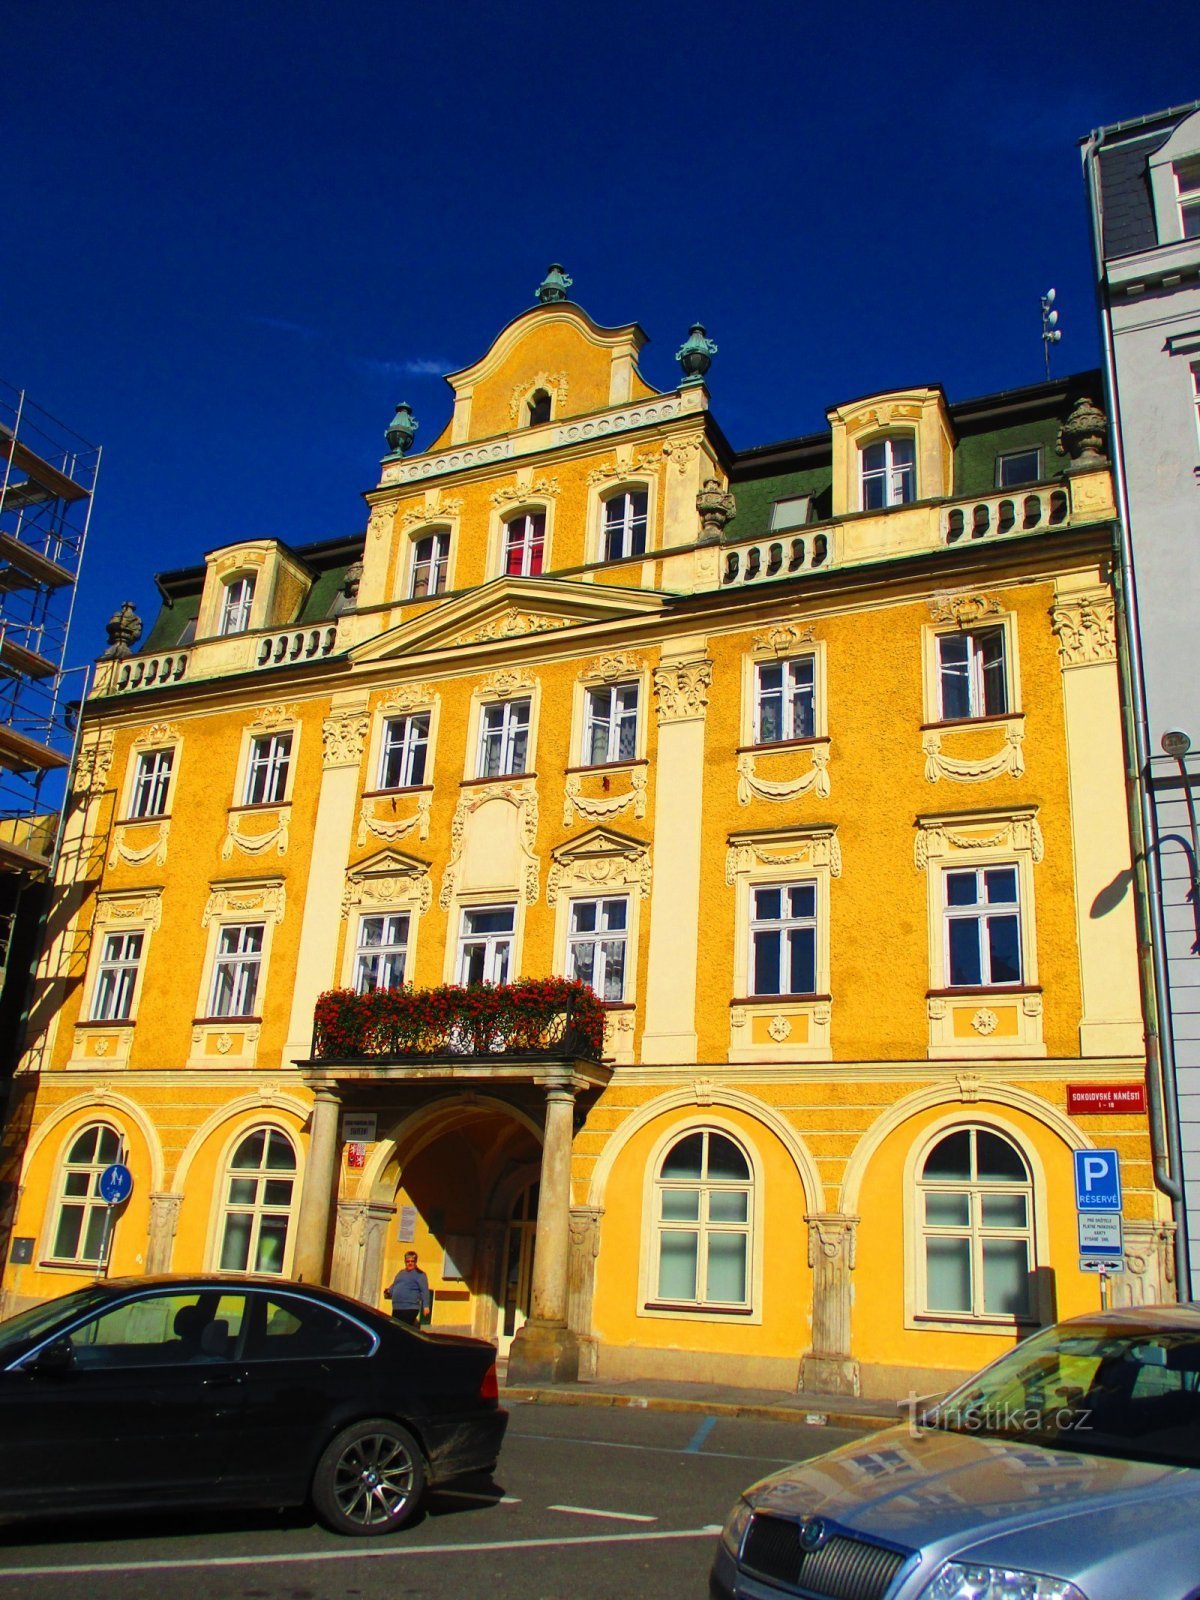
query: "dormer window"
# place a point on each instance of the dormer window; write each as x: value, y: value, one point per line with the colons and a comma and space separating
x: 1187, y: 183
x: 889, y: 472
x: 431, y: 564
x: 524, y: 544
x: 537, y: 409
x: 235, y: 611
x: 625, y: 524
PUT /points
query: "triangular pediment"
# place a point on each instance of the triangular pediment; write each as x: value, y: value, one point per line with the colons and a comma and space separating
x: 509, y: 608
x: 388, y: 863
x: 599, y: 861
x: 598, y: 842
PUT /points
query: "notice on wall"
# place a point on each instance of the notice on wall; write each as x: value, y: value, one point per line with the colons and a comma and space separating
x: 359, y: 1127
x: 1105, y: 1099
x: 408, y: 1224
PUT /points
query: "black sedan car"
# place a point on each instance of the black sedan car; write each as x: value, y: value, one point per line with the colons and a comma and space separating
x: 236, y: 1391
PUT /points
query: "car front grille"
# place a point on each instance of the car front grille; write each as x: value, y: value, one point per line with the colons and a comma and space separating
x: 844, y: 1568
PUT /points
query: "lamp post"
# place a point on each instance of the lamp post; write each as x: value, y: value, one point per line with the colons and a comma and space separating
x: 1176, y: 744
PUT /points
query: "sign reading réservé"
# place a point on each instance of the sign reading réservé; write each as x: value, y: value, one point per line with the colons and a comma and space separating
x: 1105, y: 1099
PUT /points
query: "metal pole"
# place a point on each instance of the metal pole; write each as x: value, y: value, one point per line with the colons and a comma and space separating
x: 108, y: 1217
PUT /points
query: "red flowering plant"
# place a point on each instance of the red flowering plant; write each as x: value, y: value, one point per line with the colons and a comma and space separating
x: 534, y: 1016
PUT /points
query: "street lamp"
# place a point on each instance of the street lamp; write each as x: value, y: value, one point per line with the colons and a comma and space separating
x: 1176, y: 744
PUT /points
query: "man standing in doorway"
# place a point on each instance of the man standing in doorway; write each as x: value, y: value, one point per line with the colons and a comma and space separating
x: 409, y: 1293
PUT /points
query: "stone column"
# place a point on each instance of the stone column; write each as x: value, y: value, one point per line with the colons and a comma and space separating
x: 581, y: 1282
x: 377, y: 1215
x: 489, y: 1277
x: 829, y: 1368
x: 316, y: 1200
x: 164, y: 1219
x: 545, y: 1350
x: 347, y: 1246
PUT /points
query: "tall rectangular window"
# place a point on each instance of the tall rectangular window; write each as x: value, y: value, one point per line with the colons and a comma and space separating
x: 402, y: 756
x: 972, y: 676
x: 596, y: 943
x: 503, y: 738
x: 889, y: 473
x: 235, y: 609
x: 524, y: 544
x: 983, y: 927
x: 1187, y: 180
x: 625, y: 524
x: 267, y: 769
x: 236, y: 973
x: 485, y: 944
x: 783, y: 938
x: 382, y: 952
x: 151, y: 783
x: 785, y: 700
x: 116, y: 976
x: 610, y: 724
x: 431, y: 564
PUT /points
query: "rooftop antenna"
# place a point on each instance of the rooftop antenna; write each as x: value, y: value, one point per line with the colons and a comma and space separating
x: 1051, y: 332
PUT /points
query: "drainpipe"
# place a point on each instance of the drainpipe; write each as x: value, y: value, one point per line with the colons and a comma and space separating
x: 1161, y: 1087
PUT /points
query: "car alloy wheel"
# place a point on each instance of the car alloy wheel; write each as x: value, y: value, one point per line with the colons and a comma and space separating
x: 370, y: 1478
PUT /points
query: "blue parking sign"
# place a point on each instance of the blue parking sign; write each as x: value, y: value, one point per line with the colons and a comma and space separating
x: 1097, y: 1180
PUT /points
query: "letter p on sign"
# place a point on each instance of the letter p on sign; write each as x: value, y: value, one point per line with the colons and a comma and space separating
x: 1097, y: 1180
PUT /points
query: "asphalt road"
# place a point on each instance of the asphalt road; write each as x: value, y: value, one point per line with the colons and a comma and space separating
x: 588, y: 1504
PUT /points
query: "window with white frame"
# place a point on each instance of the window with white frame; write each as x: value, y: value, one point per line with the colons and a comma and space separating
x: 972, y: 674
x: 1017, y: 467
x: 785, y: 699
x: 624, y: 527
x: 237, y: 970
x: 524, y: 544
x: 982, y: 926
x: 975, y: 1199
x: 703, y: 1208
x: 610, y: 724
x: 597, y: 935
x: 235, y: 608
x: 485, y: 944
x: 783, y: 938
x: 267, y: 769
x: 403, y: 750
x: 1187, y: 183
x: 503, y: 738
x: 151, y: 783
x: 431, y: 565
x: 259, y: 1187
x: 889, y: 472
x: 382, y: 951
x: 116, y: 976
x: 80, y: 1216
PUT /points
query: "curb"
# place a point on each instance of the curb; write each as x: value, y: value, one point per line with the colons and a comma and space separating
x: 832, y: 1418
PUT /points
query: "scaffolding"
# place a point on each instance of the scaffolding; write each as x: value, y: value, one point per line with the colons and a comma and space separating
x: 47, y: 476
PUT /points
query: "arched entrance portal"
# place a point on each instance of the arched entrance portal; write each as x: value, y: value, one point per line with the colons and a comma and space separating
x: 463, y: 1181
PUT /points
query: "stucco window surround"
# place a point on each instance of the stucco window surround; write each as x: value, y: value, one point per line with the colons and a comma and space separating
x: 500, y: 689
x: 73, y: 1231
x: 108, y: 1039
x: 151, y: 775
x: 228, y: 1040
x: 251, y: 586
x: 237, y: 603
x: 429, y: 553
x: 599, y: 791
x: 917, y: 415
x: 612, y: 489
x: 1175, y: 184
x: 515, y: 511
x: 392, y: 814
x: 777, y: 670
x: 650, y: 1304
x: 971, y: 691
x: 781, y: 1027
x: 389, y: 884
x: 265, y: 1204
x: 268, y: 757
x: 985, y: 1019
x: 999, y: 1226
x: 538, y: 400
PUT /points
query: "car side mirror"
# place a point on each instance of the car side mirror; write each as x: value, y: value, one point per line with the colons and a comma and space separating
x: 53, y: 1359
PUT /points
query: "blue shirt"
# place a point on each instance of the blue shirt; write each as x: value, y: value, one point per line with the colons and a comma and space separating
x: 410, y: 1290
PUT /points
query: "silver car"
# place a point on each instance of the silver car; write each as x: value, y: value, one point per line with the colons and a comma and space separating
x: 1067, y: 1470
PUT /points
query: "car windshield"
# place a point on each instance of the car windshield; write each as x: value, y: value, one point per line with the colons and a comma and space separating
x: 27, y: 1327
x: 1110, y: 1389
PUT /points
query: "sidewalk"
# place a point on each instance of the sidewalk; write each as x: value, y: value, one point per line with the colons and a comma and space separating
x: 711, y: 1400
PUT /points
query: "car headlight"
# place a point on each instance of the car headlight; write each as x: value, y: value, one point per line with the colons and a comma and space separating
x: 735, y: 1527
x: 960, y: 1580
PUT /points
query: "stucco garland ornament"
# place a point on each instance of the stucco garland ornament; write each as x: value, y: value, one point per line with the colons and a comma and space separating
x: 965, y: 769
x: 749, y: 784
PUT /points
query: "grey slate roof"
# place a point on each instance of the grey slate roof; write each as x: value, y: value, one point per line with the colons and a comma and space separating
x: 1128, y: 212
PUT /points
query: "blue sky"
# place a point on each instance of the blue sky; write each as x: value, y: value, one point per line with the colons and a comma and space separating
x: 237, y: 234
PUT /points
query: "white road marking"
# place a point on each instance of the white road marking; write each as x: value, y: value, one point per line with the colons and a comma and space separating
x: 359, y: 1553
x: 483, y: 1499
x: 589, y: 1511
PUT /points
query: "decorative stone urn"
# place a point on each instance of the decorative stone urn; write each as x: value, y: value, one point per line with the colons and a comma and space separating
x: 716, y: 507
x: 554, y: 285
x: 1082, y: 436
x: 402, y: 429
x: 351, y: 582
x: 695, y: 354
x: 124, y: 629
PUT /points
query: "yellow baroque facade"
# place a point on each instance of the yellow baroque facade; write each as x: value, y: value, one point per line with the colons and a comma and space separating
x: 807, y: 758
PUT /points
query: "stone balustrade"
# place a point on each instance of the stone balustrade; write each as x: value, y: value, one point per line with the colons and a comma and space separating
x: 1028, y: 511
x: 295, y: 644
x: 776, y: 558
x: 148, y: 672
